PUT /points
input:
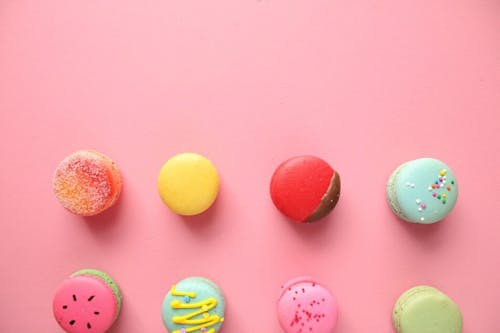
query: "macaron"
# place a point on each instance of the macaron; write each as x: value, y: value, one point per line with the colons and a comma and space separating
x: 188, y: 184
x: 194, y: 304
x: 424, y: 309
x: 304, y: 305
x: 422, y: 191
x: 88, y: 301
x: 87, y: 182
x: 305, y: 188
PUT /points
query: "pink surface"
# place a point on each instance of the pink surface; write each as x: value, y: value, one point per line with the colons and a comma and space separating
x: 306, y: 306
x: 366, y: 85
x: 84, y: 304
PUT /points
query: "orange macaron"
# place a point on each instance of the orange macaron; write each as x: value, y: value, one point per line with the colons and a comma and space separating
x: 87, y: 182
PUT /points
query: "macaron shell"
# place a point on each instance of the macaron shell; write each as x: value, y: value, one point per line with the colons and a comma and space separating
x: 204, y: 289
x: 188, y: 184
x: 306, y: 306
x: 422, y: 191
x: 106, y: 279
x: 84, y: 304
x: 299, y: 185
x: 87, y: 182
x: 424, y: 309
x: 329, y: 200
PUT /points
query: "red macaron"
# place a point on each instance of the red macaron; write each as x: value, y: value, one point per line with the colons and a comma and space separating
x: 305, y: 188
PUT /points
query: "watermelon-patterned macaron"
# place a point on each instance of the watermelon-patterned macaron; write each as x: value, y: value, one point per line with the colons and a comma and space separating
x: 305, y: 188
x: 88, y: 301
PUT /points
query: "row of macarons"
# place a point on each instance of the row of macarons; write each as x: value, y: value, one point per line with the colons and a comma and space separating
x: 303, y: 188
x: 89, y: 301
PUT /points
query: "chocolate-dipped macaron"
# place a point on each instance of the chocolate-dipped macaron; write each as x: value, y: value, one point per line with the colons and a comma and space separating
x: 305, y: 188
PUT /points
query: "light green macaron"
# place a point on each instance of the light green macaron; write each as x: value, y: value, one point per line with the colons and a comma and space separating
x: 424, y: 309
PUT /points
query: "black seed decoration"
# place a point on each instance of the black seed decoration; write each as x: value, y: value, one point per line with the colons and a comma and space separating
x: 65, y: 307
x: 96, y: 313
x: 88, y: 326
x: 74, y: 298
x: 91, y: 298
x: 72, y: 322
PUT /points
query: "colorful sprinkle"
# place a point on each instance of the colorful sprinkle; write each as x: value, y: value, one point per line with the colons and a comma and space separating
x: 452, y: 182
x: 443, y: 195
x: 418, y: 201
x: 182, y: 330
x: 434, y: 194
x: 444, y: 201
x: 187, y: 299
x: 203, y: 329
x: 419, y: 209
x: 429, y: 188
x: 449, y: 188
x: 443, y: 172
x: 422, y: 218
x: 439, y: 196
x: 424, y: 206
x: 407, y: 184
x: 412, y: 185
x: 433, y: 185
x: 206, y: 315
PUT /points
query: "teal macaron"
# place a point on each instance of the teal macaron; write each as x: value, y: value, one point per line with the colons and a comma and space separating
x: 422, y: 191
x: 425, y: 309
x: 194, y: 304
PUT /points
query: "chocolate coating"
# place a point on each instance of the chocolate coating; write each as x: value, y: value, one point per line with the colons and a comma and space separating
x: 329, y: 200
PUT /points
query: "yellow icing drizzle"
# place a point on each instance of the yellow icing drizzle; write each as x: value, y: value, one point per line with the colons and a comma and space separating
x: 203, y: 308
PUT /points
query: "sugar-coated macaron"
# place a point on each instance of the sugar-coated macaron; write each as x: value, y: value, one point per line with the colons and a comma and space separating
x: 194, y: 304
x: 188, y: 184
x: 87, y: 182
x: 424, y: 309
x: 88, y: 301
x: 305, y: 188
x: 306, y: 306
x: 422, y: 191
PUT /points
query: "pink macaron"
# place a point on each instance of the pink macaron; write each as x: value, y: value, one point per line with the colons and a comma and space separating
x: 89, y: 301
x: 305, y: 306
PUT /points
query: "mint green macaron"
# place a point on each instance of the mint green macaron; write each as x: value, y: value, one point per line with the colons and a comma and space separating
x: 422, y: 191
x: 424, y: 309
x: 194, y: 304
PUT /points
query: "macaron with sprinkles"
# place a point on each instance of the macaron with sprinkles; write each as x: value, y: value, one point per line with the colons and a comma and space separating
x: 195, y: 304
x: 422, y: 191
x: 89, y: 301
x: 305, y: 188
x: 87, y: 182
x: 304, y: 305
x: 188, y: 184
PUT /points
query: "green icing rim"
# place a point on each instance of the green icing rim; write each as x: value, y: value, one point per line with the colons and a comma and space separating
x: 109, y: 282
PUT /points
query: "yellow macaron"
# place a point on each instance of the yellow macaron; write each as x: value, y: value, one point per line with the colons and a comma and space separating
x: 188, y: 184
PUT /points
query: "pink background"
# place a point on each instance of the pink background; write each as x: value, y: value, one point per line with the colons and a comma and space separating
x: 364, y: 84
